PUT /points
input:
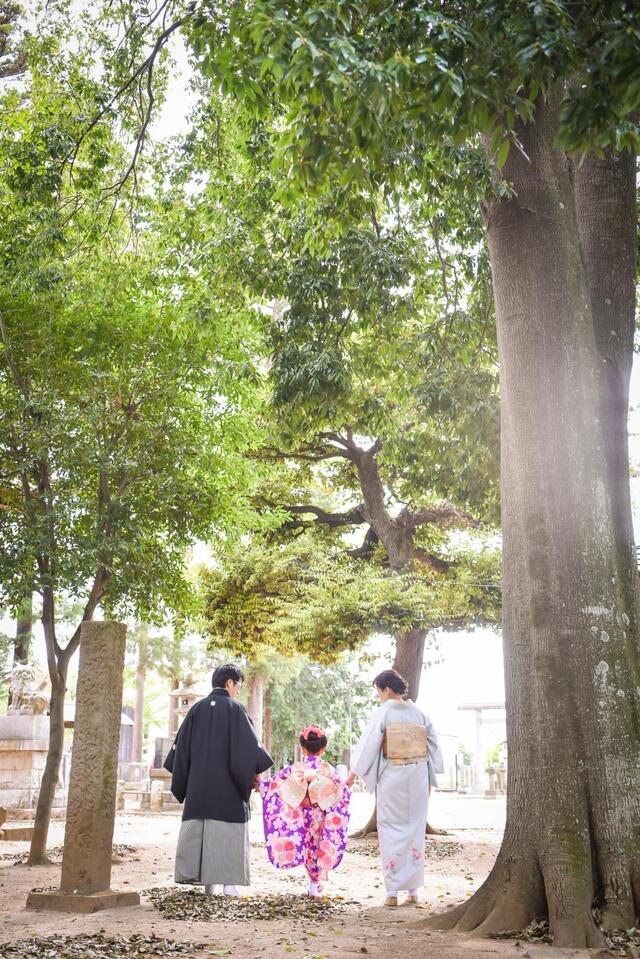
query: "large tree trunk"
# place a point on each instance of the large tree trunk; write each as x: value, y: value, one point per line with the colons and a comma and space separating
x: 572, y: 656
x: 605, y: 191
x: 255, y: 700
x: 46, y: 796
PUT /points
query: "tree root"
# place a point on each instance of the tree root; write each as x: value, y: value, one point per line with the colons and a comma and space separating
x: 581, y: 934
x: 635, y: 889
x: 370, y: 829
x: 505, y: 902
x: 434, y: 831
x: 39, y: 861
x: 483, y: 915
x: 364, y: 832
x: 488, y: 912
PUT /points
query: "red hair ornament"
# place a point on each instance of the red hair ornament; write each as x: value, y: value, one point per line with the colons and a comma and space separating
x: 312, y: 729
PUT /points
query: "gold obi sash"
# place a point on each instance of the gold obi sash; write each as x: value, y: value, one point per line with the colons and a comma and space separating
x: 404, y: 743
x: 316, y: 785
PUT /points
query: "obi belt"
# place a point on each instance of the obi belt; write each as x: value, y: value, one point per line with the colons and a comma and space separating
x: 405, y: 743
x: 310, y: 787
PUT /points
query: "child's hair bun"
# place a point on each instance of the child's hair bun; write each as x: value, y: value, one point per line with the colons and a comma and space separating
x: 313, y: 739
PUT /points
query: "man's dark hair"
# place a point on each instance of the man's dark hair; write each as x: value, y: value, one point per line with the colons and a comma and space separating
x: 390, y: 679
x: 227, y: 671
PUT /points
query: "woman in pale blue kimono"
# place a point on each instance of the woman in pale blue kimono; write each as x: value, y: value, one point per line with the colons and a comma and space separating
x: 400, y: 767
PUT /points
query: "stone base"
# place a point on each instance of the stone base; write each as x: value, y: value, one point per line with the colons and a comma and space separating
x: 20, y: 815
x: 57, y: 901
x: 16, y: 833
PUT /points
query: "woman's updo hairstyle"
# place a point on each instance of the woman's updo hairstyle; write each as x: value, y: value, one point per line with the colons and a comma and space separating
x: 390, y: 679
x: 313, y: 739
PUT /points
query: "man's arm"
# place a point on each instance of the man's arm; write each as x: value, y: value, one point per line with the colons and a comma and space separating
x: 178, y: 762
x: 247, y: 755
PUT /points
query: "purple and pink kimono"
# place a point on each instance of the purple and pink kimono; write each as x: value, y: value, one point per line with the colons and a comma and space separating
x: 306, y: 815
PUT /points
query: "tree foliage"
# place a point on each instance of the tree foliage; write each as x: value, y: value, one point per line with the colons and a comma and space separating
x: 365, y: 82
x: 308, y: 596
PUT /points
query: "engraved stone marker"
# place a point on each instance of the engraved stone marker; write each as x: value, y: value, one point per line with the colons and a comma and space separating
x: 86, y: 863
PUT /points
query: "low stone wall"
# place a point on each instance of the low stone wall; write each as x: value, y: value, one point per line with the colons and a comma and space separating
x: 24, y: 741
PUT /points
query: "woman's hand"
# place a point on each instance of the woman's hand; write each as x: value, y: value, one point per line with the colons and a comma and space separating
x: 351, y: 778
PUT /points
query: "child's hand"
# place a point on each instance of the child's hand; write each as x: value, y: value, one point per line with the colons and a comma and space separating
x: 256, y: 783
x: 351, y: 778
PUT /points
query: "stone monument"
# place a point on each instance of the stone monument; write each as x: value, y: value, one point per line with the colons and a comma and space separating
x: 86, y: 862
x: 24, y: 741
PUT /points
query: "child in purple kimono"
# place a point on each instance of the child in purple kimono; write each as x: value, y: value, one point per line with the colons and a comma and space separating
x: 306, y: 813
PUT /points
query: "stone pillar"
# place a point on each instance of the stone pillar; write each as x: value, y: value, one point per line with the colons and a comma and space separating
x: 86, y: 863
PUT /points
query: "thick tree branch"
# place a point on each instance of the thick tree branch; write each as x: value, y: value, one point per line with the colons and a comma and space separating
x: 431, y: 560
x: 444, y: 515
x: 367, y: 548
x: 98, y: 590
x: 307, y: 454
x: 352, y: 517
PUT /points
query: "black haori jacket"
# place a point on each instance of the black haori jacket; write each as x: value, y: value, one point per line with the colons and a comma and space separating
x: 215, y: 759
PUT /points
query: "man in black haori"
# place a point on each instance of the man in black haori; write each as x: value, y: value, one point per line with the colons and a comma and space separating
x: 214, y: 762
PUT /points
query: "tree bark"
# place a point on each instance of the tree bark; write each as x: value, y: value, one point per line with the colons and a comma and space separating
x: 605, y: 191
x: 255, y: 701
x: 268, y: 716
x: 409, y: 657
x: 572, y: 656
x: 141, y: 675
x: 49, y: 783
x: 24, y: 627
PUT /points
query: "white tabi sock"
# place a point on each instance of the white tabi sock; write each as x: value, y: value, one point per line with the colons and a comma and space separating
x: 230, y: 891
x: 412, y: 892
x: 313, y: 888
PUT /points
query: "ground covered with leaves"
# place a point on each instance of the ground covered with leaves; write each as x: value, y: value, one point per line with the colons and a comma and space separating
x: 120, y: 852
x: 624, y: 942
x: 97, y: 946
x: 433, y: 850
x: 191, y: 904
x: 270, y: 923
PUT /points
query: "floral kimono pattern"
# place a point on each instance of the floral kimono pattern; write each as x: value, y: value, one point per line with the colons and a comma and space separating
x: 306, y: 815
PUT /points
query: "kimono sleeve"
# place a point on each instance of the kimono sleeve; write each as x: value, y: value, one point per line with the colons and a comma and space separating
x: 178, y: 762
x: 366, y: 755
x: 247, y: 757
x: 436, y: 760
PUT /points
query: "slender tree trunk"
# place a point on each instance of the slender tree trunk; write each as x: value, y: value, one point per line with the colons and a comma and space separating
x: 175, y: 681
x: 58, y: 663
x: 141, y: 675
x: 267, y: 725
x: 175, y: 674
x: 409, y: 657
x: 255, y: 701
x: 46, y: 796
x: 408, y: 662
x: 572, y: 656
x: 24, y: 627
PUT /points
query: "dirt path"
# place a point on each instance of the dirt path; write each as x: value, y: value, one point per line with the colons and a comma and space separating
x: 456, y: 866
